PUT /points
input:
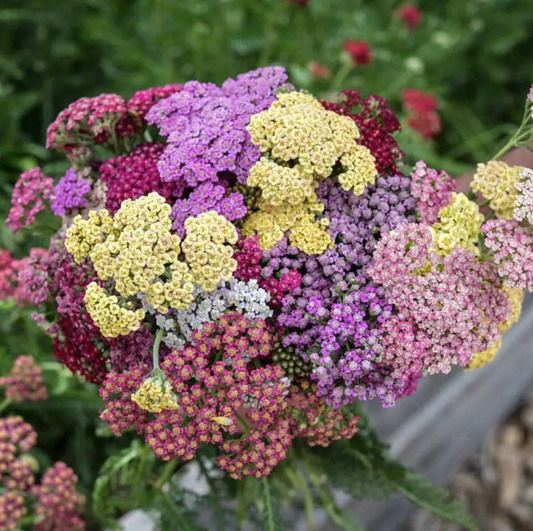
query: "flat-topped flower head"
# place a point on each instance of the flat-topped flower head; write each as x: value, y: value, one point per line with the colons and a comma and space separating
x: 29, y: 194
x: 25, y: 382
x: 155, y: 394
x: 433, y: 189
x: 512, y: 248
x: 459, y: 224
x: 523, y: 210
x: 496, y: 181
x: 208, y: 249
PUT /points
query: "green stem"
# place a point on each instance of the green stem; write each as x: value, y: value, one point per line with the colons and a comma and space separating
x: 6, y: 403
x: 519, y: 135
x: 157, y: 344
x: 341, y: 75
x: 308, y: 502
x: 510, y: 145
x: 169, y: 469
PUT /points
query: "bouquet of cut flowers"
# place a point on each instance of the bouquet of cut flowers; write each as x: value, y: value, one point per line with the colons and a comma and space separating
x: 239, y: 267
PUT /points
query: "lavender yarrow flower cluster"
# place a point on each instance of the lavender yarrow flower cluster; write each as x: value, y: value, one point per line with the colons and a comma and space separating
x: 70, y: 193
x: 206, y: 126
x: 245, y: 298
x: 346, y: 365
x: 356, y: 224
x: 208, y: 196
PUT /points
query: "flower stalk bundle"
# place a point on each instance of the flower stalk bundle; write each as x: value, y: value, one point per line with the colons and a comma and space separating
x: 240, y: 266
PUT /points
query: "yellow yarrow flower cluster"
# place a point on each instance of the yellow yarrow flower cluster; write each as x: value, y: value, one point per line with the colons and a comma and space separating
x: 108, y: 315
x: 206, y: 250
x: 496, y: 181
x: 136, y: 249
x: 480, y: 359
x: 307, y: 234
x: 296, y: 128
x: 459, y: 224
x: 155, y: 394
x: 302, y: 143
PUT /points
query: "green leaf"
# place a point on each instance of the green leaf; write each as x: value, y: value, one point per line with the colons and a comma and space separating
x: 268, y: 506
x: 423, y: 493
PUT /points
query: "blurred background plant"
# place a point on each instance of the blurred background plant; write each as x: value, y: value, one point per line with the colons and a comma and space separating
x: 453, y: 70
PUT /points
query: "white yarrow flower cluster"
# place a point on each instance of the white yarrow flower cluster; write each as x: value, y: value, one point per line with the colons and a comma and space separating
x: 245, y: 298
x: 523, y: 210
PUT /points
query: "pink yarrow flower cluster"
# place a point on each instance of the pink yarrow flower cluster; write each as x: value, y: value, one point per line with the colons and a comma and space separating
x: 512, y: 247
x: 453, y: 305
x: 433, y: 189
x: 55, y: 502
x: 226, y: 396
x: 28, y: 198
x: 25, y: 382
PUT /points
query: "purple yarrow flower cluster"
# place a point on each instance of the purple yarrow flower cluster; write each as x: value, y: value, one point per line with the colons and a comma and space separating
x: 205, y: 126
x: 433, y: 189
x: 356, y: 225
x: 29, y: 194
x: 208, y: 196
x: 70, y: 193
x: 512, y: 246
x: 346, y: 366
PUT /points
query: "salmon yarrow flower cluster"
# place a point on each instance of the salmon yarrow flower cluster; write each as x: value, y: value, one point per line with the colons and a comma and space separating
x: 248, y: 262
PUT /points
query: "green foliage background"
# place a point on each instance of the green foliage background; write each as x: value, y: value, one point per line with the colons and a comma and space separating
x: 472, y: 55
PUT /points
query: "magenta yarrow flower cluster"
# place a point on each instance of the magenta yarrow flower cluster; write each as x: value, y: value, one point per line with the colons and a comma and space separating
x: 245, y: 261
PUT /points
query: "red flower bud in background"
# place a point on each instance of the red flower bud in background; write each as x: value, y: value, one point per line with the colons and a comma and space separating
x: 318, y: 71
x: 422, y: 112
x: 360, y: 52
x: 409, y: 14
x: 302, y: 3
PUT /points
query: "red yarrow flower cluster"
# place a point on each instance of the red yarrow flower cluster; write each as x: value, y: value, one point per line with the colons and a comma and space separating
x: 359, y: 51
x: 29, y: 194
x: 10, y: 286
x: 12, y: 510
x: 78, y: 341
x: 410, y: 15
x: 422, y: 112
x: 139, y: 104
x: 220, y: 395
x: 376, y: 122
x: 248, y: 259
x: 57, y: 504
x: 25, y: 382
x: 134, y: 175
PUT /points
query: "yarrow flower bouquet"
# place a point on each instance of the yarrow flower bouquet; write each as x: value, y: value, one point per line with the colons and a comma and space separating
x: 240, y: 267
